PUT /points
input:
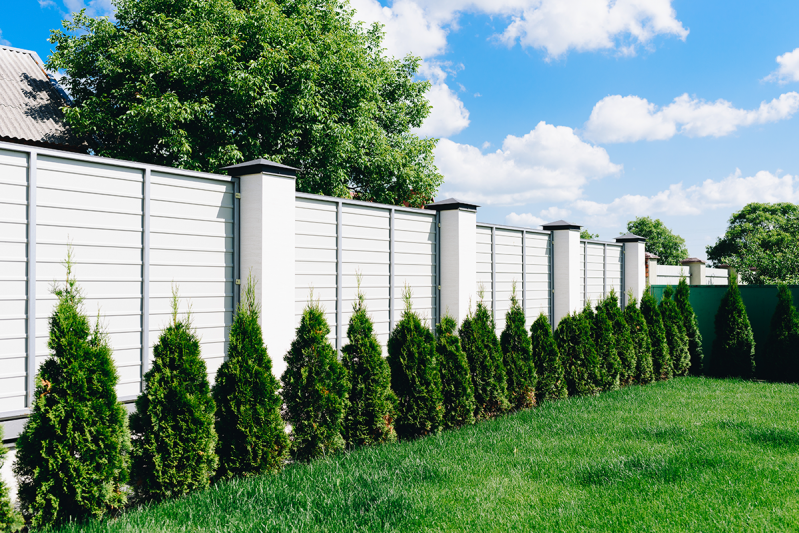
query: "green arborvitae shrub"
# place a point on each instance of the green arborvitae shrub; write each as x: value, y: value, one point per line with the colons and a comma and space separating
x: 71, y: 459
x: 662, y: 367
x: 781, y: 355
x: 370, y: 414
x: 605, y: 344
x: 691, y: 324
x: 315, y: 389
x: 581, y: 365
x: 642, y: 344
x: 517, y: 357
x: 548, y: 366
x: 625, y: 351
x: 676, y: 338
x: 251, y: 433
x: 415, y: 376
x: 10, y: 519
x: 174, y: 441
x: 456, y: 380
x: 479, y: 341
x: 734, y: 347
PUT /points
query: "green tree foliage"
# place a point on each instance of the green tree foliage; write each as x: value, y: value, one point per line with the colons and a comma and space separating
x: 734, y: 346
x: 660, y: 240
x: 676, y: 338
x: 479, y: 341
x: 625, y: 350
x: 174, y: 442
x: 315, y: 387
x: 662, y: 367
x: 587, y: 235
x: 581, y: 364
x: 201, y: 84
x: 781, y: 356
x: 517, y: 357
x: 605, y: 344
x: 10, y: 519
x: 370, y: 413
x: 71, y: 459
x: 761, y: 243
x: 456, y: 380
x: 549, y: 368
x: 691, y: 324
x: 251, y: 433
x: 642, y: 344
x: 415, y: 376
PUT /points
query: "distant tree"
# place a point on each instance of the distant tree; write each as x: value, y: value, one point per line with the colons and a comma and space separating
x: 251, y: 432
x: 578, y: 354
x: 781, y: 356
x: 681, y: 296
x: 480, y: 343
x: 639, y: 333
x: 517, y: 356
x: 315, y: 388
x: 548, y: 366
x: 625, y: 351
x: 734, y: 346
x: 661, y: 357
x: 761, y: 243
x: 200, y: 84
x: 370, y: 413
x: 676, y: 338
x: 660, y: 240
x: 605, y: 343
x: 10, y: 519
x: 456, y: 380
x: 415, y: 376
x: 72, y: 455
x: 587, y: 235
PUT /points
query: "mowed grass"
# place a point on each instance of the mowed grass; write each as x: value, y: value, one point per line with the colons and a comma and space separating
x: 691, y: 454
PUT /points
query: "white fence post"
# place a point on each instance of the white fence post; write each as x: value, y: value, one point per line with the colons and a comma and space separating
x: 458, y: 257
x: 267, y: 248
x: 565, y: 268
x: 634, y: 266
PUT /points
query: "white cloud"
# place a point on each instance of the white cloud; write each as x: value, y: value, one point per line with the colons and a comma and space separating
x: 4, y: 42
x: 732, y: 192
x: 94, y: 8
x: 788, y: 69
x: 631, y: 118
x: 555, y: 213
x: 530, y: 220
x: 448, y: 115
x: 548, y: 164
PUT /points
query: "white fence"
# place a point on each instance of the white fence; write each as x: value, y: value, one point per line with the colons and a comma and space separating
x: 601, y: 269
x: 717, y: 276
x: 671, y: 274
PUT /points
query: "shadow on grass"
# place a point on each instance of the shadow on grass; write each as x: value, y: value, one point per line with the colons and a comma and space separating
x: 637, y: 468
x: 779, y: 439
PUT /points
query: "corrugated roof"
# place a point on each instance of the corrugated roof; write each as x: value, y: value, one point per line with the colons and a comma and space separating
x: 30, y: 102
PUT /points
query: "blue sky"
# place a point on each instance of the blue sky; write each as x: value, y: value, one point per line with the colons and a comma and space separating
x: 595, y: 111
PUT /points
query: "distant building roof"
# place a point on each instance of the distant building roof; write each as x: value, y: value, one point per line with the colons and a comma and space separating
x: 30, y: 103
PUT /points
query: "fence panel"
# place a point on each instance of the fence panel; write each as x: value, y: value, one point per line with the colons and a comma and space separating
x: 595, y: 277
x: 614, y: 270
x: 415, y: 264
x: 671, y: 274
x: 582, y: 271
x: 716, y: 276
x: 485, y: 266
x: 508, y: 257
x: 538, y: 279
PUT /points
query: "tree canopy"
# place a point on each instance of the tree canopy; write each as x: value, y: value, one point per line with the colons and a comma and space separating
x: 762, y: 243
x: 660, y: 240
x: 201, y: 84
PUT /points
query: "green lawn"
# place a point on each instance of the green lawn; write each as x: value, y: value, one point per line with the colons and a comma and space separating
x: 690, y: 454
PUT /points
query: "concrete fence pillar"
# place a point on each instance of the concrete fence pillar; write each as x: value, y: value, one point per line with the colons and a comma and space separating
x: 458, y: 256
x: 566, y: 279
x: 652, y: 269
x: 696, y: 271
x: 267, y: 248
x: 634, y: 266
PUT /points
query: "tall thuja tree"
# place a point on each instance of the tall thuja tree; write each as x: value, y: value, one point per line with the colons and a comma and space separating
x: 315, y: 388
x: 691, y: 324
x: 605, y: 343
x: 370, y: 412
x: 517, y: 356
x: 625, y: 351
x: 676, y: 338
x: 549, y: 369
x: 661, y: 359
x: 10, y: 519
x: 456, y: 380
x: 72, y: 455
x: 581, y: 365
x: 415, y: 376
x: 479, y: 341
x: 174, y: 441
x: 782, y: 345
x: 734, y: 346
x: 251, y: 432
x: 642, y: 344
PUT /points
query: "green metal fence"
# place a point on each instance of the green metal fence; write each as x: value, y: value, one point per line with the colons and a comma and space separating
x: 760, y: 302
